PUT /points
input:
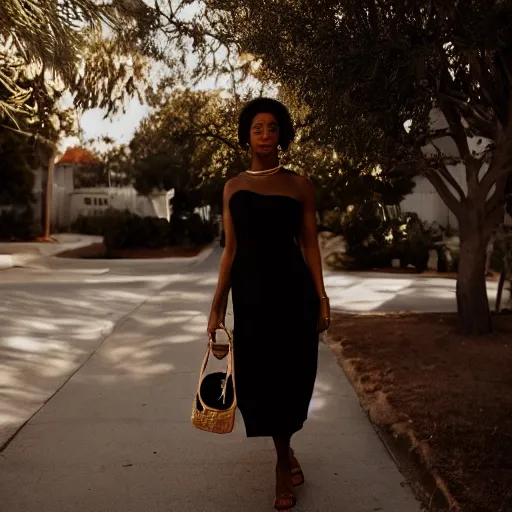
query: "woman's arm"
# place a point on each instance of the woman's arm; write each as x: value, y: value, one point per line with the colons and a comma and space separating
x: 309, y: 237
x: 311, y: 251
x: 220, y: 299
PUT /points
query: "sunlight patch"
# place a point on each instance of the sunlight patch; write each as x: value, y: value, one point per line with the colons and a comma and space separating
x: 24, y: 344
x: 316, y: 404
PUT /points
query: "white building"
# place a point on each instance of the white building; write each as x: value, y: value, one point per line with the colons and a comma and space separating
x: 69, y: 202
x: 95, y: 200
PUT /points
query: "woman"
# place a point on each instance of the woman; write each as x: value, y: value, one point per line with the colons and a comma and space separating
x: 271, y: 262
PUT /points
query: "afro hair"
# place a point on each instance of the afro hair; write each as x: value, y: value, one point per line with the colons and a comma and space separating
x: 267, y: 106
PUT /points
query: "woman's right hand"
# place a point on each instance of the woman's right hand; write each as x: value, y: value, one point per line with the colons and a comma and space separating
x: 214, y: 323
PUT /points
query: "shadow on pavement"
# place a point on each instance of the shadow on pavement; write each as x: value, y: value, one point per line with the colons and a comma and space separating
x: 118, y: 437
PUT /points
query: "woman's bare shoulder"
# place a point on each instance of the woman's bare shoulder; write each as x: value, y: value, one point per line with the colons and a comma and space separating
x: 234, y: 184
x: 301, y: 182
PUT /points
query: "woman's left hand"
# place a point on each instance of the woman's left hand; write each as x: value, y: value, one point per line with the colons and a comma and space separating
x: 324, y: 319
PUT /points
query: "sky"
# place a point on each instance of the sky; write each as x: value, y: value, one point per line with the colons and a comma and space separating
x: 122, y: 126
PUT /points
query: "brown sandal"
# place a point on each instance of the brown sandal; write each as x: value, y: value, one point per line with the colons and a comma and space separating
x: 296, y: 471
x: 297, y: 476
x: 285, y: 502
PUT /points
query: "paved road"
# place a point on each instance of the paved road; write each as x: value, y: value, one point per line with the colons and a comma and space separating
x: 116, y: 437
x: 52, y: 318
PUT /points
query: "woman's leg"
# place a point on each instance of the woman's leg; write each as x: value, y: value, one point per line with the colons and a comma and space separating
x: 283, y: 475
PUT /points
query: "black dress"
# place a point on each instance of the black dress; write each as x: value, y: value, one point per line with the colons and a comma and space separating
x: 275, y: 308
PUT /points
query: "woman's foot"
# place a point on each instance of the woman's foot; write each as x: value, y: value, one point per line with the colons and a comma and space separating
x: 285, y: 500
x: 296, y: 470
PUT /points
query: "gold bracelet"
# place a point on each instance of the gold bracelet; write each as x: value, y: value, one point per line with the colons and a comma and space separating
x: 324, y: 297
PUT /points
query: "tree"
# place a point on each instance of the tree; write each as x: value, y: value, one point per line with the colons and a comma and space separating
x: 49, y: 47
x: 189, y: 143
x: 341, y: 182
x: 404, y: 85
x: 66, y: 41
x: 15, y: 171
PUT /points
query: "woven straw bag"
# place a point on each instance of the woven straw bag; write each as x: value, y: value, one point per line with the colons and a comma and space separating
x: 218, y: 421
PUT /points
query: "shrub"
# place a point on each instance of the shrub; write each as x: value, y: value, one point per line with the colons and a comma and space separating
x: 373, y: 241
x: 155, y: 232
x: 18, y: 225
x: 123, y: 230
x: 199, y: 232
x: 126, y: 230
x: 89, y: 225
x: 178, y: 230
x: 191, y: 230
x: 368, y: 236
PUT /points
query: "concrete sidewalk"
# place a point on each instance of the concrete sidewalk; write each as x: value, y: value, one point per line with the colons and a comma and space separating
x: 51, y: 320
x: 380, y: 292
x: 117, y: 437
x: 33, y: 254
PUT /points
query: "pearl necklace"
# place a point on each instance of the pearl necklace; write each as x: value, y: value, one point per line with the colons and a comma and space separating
x: 265, y: 172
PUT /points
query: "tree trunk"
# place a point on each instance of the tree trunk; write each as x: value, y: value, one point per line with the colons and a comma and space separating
x: 472, y: 300
x: 49, y: 198
x: 501, y: 286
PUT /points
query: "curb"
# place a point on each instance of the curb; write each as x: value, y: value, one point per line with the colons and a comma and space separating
x: 19, y: 259
x: 204, y: 254
x: 6, y: 261
x: 400, y: 433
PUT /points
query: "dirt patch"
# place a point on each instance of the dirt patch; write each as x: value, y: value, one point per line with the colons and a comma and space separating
x: 450, y: 397
x: 99, y: 251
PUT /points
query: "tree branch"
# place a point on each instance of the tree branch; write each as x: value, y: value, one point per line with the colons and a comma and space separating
x: 501, y: 164
x: 496, y: 173
x: 476, y: 116
x: 211, y: 135
x: 486, y: 86
x: 446, y: 174
x: 453, y: 116
x: 497, y: 199
x: 446, y: 195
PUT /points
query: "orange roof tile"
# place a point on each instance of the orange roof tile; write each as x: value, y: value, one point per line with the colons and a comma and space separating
x: 78, y: 156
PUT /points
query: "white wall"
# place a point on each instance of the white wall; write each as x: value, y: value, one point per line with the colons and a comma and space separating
x: 68, y: 203
x: 94, y: 201
x: 426, y: 202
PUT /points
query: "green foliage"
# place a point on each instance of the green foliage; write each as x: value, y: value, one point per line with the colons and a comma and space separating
x: 101, y: 71
x: 501, y: 257
x: 126, y: 230
x: 189, y: 144
x: 160, y: 171
x: 413, y: 242
x: 17, y: 224
x: 93, y: 225
x: 16, y: 177
x: 373, y: 239
x: 196, y: 230
x: 364, y: 68
x: 340, y: 182
x: 366, y: 233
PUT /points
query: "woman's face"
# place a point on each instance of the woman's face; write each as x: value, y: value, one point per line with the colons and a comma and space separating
x: 264, y: 136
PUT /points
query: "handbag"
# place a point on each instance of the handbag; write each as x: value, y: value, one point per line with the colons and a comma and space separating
x: 214, y: 405
x: 220, y: 350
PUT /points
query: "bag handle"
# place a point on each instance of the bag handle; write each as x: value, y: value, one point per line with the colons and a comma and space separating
x: 229, y: 373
